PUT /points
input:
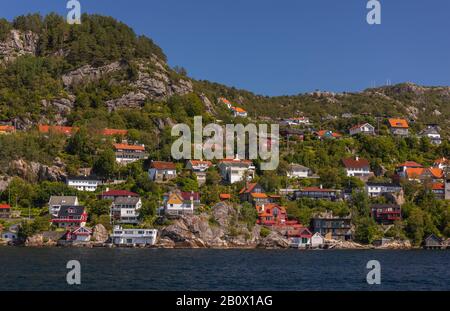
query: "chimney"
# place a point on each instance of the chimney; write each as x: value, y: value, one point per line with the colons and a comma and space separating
x: 357, y: 158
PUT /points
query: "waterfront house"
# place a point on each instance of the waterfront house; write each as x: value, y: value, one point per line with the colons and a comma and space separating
x: 162, y: 171
x: 433, y: 242
x: 271, y: 215
x: 5, y: 211
x: 126, y: 153
x: 235, y: 170
x: 386, y: 214
x: 125, y: 210
x: 84, y: 183
x: 399, y: 127
x: 299, y: 171
x: 300, y: 238
x: 364, y: 128
x: 333, y: 227
x: 78, y: 234
x: 70, y: 216
x: 199, y: 168
x: 55, y: 203
x: 132, y: 237
x: 113, y: 194
x: 180, y: 203
x: 317, y: 240
x: 357, y: 167
x: 379, y: 189
x: 318, y: 193
x: 432, y: 131
x: 7, y: 129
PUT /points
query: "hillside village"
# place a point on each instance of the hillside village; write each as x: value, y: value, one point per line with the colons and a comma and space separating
x: 85, y: 154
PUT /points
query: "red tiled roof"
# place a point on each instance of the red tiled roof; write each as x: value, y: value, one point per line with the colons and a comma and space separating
x: 398, y: 123
x: 410, y: 164
x: 67, y: 130
x: 436, y: 172
x: 321, y: 133
x: 225, y: 196
x: 414, y: 172
x: 159, y: 165
x: 4, y: 206
x: 236, y: 161
x: 7, y: 128
x: 129, y: 147
x: 259, y: 195
x: 248, y: 188
x: 119, y: 193
x: 112, y: 132
x: 199, y: 162
x: 355, y: 163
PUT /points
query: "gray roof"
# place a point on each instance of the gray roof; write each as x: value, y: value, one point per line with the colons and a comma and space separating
x: 62, y: 200
x: 76, y: 211
x: 295, y: 166
x: 126, y: 201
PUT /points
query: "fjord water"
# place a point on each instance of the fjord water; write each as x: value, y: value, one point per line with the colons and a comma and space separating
x: 207, y: 269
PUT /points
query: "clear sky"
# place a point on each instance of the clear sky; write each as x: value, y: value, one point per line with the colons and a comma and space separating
x: 280, y: 47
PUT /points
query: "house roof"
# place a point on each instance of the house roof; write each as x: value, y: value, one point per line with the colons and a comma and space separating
x: 236, y: 162
x: 436, y: 172
x: 126, y: 200
x: 84, y: 177
x: 248, y: 188
x: 375, y: 184
x: 259, y: 195
x: 76, y: 211
x: 62, y: 200
x: 414, y: 172
x: 360, y: 126
x: 119, y: 193
x: 186, y: 196
x: 67, y: 130
x: 82, y: 231
x: 5, y: 206
x: 7, y: 128
x: 159, y: 165
x: 294, y: 166
x: 409, y: 164
x: 398, y: 123
x: 438, y: 186
x: 175, y: 198
x: 317, y: 189
x: 200, y: 162
x: 112, y: 132
x: 237, y: 109
x: 129, y: 147
x: 441, y: 161
x: 355, y: 163
x: 225, y: 196
x: 322, y: 133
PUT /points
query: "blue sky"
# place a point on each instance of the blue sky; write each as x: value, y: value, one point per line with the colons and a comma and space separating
x: 280, y: 47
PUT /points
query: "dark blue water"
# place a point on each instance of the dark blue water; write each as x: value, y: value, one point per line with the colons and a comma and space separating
x: 189, y: 269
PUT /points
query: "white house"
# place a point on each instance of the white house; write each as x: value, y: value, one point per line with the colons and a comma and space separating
x: 180, y: 203
x: 80, y: 234
x: 296, y: 121
x: 234, y: 170
x: 299, y: 171
x: 432, y: 132
x: 130, y: 237
x: 84, y: 183
x: 126, y: 154
x: 239, y: 112
x: 162, y: 171
x: 125, y: 210
x: 364, y: 128
x: 317, y: 240
x: 55, y: 203
x: 378, y: 189
x: 199, y: 168
x: 357, y: 167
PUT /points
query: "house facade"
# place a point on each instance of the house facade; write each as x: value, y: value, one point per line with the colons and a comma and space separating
x: 378, y: 189
x: 56, y: 202
x: 299, y: 171
x: 365, y: 128
x: 84, y: 183
x: 5, y: 211
x: 113, y: 194
x: 333, y: 227
x: 399, y: 127
x: 235, y: 170
x: 239, y: 112
x: 131, y: 237
x: 180, y: 203
x: 126, y: 153
x: 386, y: 214
x: 70, y: 216
x: 271, y: 215
x: 357, y: 167
x: 318, y: 193
x: 433, y: 133
x: 199, y: 168
x: 252, y: 191
x: 125, y: 210
x: 162, y: 171
x: 79, y: 234
x: 301, y: 238
x: 438, y: 189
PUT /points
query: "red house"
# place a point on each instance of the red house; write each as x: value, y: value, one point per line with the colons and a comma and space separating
x: 386, y: 214
x: 70, y: 217
x: 273, y: 215
x: 5, y: 211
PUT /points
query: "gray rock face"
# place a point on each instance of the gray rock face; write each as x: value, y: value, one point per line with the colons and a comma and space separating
x: 274, y: 240
x: 88, y: 73
x: 36, y: 171
x: 198, y: 231
x: 100, y: 234
x: 17, y: 44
